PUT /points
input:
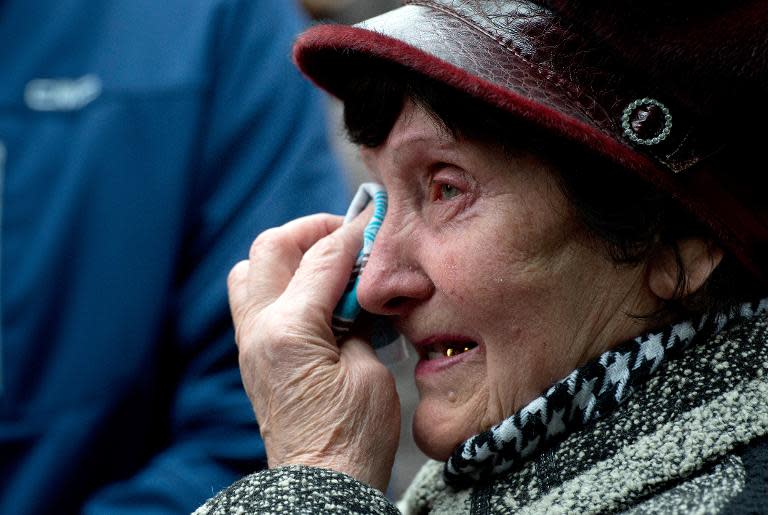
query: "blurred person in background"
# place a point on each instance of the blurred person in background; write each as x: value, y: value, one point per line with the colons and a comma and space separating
x: 142, y: 146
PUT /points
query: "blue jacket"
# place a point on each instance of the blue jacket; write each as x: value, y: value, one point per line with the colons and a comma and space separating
x: 143, y: 145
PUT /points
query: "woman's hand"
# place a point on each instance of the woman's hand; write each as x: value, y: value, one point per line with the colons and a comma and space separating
x: 317, y: 403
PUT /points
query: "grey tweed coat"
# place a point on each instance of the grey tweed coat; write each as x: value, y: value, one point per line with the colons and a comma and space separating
x: 692, y: 439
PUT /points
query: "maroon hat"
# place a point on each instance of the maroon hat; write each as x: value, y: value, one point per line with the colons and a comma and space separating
x: 656, y: 92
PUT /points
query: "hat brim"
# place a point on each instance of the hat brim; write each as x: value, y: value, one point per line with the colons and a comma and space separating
x: 428, y: 42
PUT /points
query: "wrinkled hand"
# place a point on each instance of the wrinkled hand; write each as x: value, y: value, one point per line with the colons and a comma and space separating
x: 317, y: 403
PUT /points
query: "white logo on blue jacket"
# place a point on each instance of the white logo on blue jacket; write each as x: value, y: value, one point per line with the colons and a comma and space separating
x: 62, y: 94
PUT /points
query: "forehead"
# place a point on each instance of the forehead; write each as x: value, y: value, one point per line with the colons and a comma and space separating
x: 415, y: 124
x: 416, y: 134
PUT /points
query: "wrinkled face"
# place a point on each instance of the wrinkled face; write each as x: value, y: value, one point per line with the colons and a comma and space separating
x: 485, y: 269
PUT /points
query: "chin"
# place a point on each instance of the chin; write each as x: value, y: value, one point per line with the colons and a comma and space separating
x: 437, y: 434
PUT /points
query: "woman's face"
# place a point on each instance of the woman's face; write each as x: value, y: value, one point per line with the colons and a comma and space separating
x: 487, y: 271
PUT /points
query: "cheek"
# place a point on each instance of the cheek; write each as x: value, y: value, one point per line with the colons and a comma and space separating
x: 469, y: 260
x: 451, y: 276
x: 479, y: 279
x: 508, y: 298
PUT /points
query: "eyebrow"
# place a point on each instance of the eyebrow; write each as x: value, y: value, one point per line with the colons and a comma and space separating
x: 446, y: 139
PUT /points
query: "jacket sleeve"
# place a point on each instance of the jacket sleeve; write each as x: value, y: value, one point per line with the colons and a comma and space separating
x: 263, y: 159
x: 298, y: 489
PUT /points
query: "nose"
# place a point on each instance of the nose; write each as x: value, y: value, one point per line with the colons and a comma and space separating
x: 393, y: 282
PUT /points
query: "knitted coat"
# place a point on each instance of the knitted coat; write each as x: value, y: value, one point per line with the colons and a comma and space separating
x: 691, y: 439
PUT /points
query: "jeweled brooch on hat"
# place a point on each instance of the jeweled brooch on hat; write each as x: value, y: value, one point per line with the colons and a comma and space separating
x: 646, y: 121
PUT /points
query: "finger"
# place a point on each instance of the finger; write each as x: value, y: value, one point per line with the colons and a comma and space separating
x: 277, y: 253
x: 237, y: 288
x: 325, y: 269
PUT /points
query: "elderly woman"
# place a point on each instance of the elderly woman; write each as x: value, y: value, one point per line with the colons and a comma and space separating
x: 575, y: 245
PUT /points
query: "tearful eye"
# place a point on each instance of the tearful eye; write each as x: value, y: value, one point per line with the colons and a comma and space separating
x: 447, y: 191
x: 443, y: 191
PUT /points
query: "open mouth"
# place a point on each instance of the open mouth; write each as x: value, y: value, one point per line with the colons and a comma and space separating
x: 448, y: 349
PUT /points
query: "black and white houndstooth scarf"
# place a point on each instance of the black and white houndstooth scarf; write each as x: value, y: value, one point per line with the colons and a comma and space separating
x: 587, y: 394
